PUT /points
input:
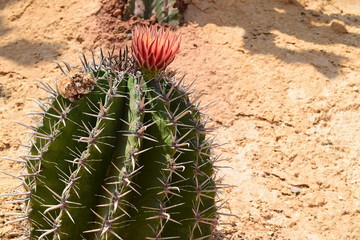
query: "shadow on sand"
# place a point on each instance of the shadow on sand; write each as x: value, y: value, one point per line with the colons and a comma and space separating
x: 262, y: 19
x: 29, y: 53
x: 2, y: 92
x: 23, y: 51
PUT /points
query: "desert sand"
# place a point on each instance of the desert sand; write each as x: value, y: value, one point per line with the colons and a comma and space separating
x: 284, y: 79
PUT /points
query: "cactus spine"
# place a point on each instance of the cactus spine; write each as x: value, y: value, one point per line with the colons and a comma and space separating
x: 125, y: 159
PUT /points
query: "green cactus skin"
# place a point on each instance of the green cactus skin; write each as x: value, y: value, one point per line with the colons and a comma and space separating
x: 164, y: 10
x: 129, y: 160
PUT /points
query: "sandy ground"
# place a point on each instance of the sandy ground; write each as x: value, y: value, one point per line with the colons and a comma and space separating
x: 285, y: 75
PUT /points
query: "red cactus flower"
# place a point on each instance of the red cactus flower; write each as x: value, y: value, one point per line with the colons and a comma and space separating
x: 154, y: 49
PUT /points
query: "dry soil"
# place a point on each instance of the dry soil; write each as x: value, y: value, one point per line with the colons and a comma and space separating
x: 285, y: 78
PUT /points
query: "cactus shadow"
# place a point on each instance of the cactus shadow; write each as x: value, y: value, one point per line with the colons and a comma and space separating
x: 3, y: 29
x: 24, y: 52
x: 264, y: 20
x: 2, y: 92
x: 4, y: 4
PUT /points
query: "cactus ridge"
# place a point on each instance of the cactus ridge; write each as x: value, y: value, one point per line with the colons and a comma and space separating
x: 129, y: 160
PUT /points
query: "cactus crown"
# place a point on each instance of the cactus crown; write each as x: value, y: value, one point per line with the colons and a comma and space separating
x: 123, y: 155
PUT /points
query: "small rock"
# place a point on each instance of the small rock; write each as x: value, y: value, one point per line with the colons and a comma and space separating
x: 315, y: 14
x: 338, y: 27
x: 286, y: 191
x: 341, y: 198
x: 316, y: 201
x: 262, y: 174
x: 116, y: 13
x: 80, y: 39
x: 295, y: 190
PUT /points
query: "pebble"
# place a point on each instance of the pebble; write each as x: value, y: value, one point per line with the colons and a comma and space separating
x: 295, y: 190
x: 262, y: 174
x: 116, y: 13
x: 338, y: 27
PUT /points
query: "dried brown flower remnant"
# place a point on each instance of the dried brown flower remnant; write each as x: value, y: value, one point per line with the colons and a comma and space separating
x: 75, y: 84
x: 154, y: 49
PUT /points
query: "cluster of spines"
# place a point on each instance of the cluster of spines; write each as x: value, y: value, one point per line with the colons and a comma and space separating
x: 184, y: 116
x: 36, y: 221
x: 114, y: 206
x: 160, y: 112
x: 88, y: 164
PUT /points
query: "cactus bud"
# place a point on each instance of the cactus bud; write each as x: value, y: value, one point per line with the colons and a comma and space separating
x: 154, y: 49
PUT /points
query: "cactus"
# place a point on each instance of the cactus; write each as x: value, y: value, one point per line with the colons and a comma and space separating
x: 120, y: 153
x: 164, y: 10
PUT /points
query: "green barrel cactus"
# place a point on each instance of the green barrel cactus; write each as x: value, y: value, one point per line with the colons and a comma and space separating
x: 165, y: 11
x: 120, y: 152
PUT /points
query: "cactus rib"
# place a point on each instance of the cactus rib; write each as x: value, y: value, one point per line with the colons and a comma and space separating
x: 125, y: 158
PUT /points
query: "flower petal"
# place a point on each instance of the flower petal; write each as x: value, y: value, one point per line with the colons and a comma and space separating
x: 154, y: 48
